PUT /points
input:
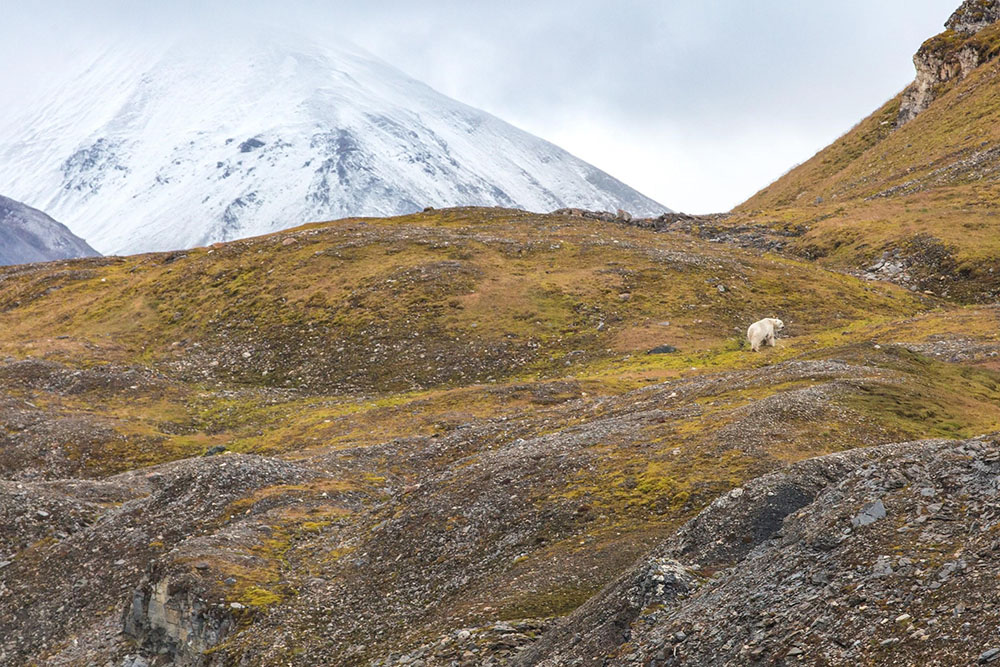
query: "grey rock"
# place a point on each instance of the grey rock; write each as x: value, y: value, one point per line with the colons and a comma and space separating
x: 882, y: 567
x: 974, y: 15
x: 989, y: 655
x: 871, y: 513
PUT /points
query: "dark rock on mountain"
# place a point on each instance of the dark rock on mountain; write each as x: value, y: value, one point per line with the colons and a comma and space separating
x: 28, y: 235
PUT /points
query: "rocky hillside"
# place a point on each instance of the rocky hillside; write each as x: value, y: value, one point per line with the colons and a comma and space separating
x: 468, y: 437
x: 910, y: 193
x: 874, y: 556
x: 28, y: 235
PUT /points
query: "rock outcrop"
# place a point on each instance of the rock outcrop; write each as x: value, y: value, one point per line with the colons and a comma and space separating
x: 974, y: 15
x: 172, y: 620
x: 948, y: 56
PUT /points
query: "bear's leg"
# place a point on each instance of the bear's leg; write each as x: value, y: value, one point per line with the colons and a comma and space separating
x: 770, y: 340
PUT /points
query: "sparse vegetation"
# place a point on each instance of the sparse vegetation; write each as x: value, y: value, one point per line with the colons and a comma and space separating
x: 927, y: 190
x: 464, y: 391
x: 432, y: 430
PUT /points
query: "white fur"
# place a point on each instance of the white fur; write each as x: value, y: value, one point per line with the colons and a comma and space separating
x: 763, y: 330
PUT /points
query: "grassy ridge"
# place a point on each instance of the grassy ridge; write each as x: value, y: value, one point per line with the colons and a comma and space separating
x: 360, y: 331
x: 377, y: 306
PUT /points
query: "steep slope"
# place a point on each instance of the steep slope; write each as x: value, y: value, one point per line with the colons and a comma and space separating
x: 203, y: 141
x: 28, y: 235
x: 914, y: 185
x: 441, y: 431
x: 903, y: 536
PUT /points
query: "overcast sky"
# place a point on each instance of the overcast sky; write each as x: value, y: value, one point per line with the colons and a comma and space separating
x: 696, y: 103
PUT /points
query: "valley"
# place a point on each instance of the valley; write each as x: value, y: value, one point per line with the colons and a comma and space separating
x: 437, y: 429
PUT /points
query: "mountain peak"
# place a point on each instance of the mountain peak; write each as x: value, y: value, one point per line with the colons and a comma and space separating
x: 197, y: 142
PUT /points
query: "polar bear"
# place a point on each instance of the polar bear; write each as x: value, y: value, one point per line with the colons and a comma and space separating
x: 763, y: 330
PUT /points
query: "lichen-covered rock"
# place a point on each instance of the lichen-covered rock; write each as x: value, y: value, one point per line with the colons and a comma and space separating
x: 935, y: 67
x: 974, y: 15
x: 950, y: 56
x: 168, y: 617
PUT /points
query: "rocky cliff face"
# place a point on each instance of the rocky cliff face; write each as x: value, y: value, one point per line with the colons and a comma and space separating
x: 974, y: 15
x: 167, y: 617
x: 934, y: 68
x: 948, y: 56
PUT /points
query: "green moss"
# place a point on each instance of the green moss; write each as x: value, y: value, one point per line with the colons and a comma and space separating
x: 948, y: 401
x: 545, y: 604
x: 254, y: 596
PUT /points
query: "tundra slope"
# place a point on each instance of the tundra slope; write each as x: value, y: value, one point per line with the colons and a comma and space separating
x: 443, y: 497
x: 910, y: 194
x: 160, y: 147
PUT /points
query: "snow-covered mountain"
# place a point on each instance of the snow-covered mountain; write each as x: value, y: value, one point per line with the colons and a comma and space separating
x: 28, y: 235
x: 161, y: 148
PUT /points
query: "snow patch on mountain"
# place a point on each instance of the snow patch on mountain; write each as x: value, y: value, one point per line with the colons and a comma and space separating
x: 160, y: 148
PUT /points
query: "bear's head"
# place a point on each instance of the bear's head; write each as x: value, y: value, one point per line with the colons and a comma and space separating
x: 778, y: 324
